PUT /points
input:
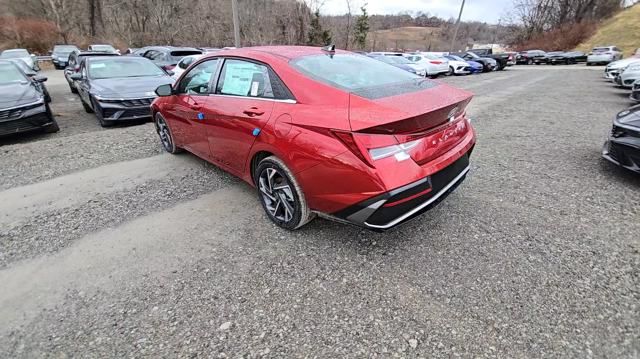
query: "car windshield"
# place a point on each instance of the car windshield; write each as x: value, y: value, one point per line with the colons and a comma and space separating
x: 64, y: 50
x: 116, y: 67
x: 106, y: 48
x: 473, y: 55
x: 23, y: 66
x: 9, y: 73
x: 178, y: 55
x: 351, y: 72
x: 455, y: 58
x: 14, y: 54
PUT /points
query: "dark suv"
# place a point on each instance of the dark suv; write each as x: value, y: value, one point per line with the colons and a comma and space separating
x: 75, y: 60
x: 167, y: 57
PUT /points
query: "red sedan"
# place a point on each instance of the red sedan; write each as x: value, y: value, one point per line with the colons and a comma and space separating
x: 319, y: 131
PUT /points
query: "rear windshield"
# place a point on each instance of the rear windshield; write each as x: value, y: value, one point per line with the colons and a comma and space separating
x: 359, y: 74
x: 112, y: 67
x: 14, y: 54
x: 600, y: 49
x: 9, y: 73
x: 178, y: 55
x: 106, y: 48
x: 64, y: 49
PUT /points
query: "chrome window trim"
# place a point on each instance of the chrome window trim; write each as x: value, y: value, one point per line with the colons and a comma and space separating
x: 289, y: 101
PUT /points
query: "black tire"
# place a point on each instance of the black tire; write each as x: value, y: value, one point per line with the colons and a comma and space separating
x: 280, y: 194
x: 165, y: 134
x: 87, y: 108
x: 53, y: 126
x: 47, y: 96
x: 529, y: 62
x: 451, y: 71
x: 73, y: 89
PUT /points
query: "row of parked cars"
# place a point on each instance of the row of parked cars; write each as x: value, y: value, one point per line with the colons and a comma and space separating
x: 434, y: 64
x: 600, y: 55
x: 623, y: 145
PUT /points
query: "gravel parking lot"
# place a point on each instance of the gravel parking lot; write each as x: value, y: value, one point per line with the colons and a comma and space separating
x: 111, y: 248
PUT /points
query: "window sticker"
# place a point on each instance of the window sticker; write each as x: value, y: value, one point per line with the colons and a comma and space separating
x: 99, y: 65
x: 237, y: 80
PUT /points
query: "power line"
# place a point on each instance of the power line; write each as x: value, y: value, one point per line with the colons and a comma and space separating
x: 455, y: 33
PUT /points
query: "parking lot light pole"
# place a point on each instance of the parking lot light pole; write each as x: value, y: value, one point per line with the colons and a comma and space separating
x: 236, y: 23
x: 455, y: 33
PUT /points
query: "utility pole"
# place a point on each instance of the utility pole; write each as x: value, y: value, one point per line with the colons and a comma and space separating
x: 455, y: 33
x: 236, y: 23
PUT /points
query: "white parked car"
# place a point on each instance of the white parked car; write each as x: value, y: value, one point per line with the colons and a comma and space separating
x: 183, y: 64
x: 435, y: 64
x: 21, y: 54
x: 615, y: 68
x: 399, y: 59
x: 630, y: 75
x: 604, y: 55
x: 103, y: 48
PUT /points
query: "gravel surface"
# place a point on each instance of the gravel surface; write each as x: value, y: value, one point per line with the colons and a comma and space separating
x: 536, y: 254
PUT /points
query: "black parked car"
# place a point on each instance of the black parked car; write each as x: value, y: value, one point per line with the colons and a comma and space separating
x: 75, y: 60
x: 502, y: 59
x: 576, y: 56
x: 60, y: 55
x: 488, y: 64
x: 167, y: 57
x: 554, y: 58
x: 530, y: 57
x: 22, y: 104
x: 33, y: 76
x: 119, y: 88
x: 623, y: 145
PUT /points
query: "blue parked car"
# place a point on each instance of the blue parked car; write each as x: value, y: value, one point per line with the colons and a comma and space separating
x: 474, y: 67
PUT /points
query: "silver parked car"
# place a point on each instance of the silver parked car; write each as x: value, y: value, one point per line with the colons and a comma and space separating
x: 615, y: 68
x: 603, y: 55
x: 23, y: 55
x: 629, y: 76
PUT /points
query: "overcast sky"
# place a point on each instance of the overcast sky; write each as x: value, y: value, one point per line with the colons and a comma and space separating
x: 480, y: 10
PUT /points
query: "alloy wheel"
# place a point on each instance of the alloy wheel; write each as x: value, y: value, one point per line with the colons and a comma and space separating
x: 163, y: 132
x: 277, y: 194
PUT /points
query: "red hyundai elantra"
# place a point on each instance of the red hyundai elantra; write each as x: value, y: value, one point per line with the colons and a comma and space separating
x: 323, y: 132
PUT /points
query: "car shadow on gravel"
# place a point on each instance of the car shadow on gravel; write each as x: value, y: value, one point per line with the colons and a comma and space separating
x: 619, y: 174
x: 25, y: 137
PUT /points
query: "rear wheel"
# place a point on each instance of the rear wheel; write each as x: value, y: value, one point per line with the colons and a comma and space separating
x: 451, y: 71
x: 529, y: 62
x: 280, y: 195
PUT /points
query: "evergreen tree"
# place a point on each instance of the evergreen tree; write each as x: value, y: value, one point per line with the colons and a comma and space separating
x: 362, y: 28
x: 317, y: 35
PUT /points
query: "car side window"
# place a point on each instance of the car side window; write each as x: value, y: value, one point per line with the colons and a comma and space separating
x: 250, y: 79
x: 196, y: 81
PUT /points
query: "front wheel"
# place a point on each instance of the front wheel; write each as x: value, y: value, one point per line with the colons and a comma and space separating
x: 451, y: 71
x: 166, y: 137
x: 280, y: 195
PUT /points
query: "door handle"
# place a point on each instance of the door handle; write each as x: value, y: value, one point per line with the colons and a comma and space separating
x: 253, y: 111
x: 195, y: 107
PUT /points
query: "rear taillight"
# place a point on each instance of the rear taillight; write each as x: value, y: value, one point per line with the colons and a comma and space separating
x: 347, y: 139
x: 435, y: 62
x: 400, y: 151
x: 370, y: 148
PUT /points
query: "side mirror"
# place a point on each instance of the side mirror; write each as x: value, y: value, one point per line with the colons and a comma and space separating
x: 76, y: 76
x: 164, y: 90
x: 39, y: 78
x: 170, y: 73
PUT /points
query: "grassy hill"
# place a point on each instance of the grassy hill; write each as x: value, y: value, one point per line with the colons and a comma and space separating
x: 622, y: 30
x: 405, y: 38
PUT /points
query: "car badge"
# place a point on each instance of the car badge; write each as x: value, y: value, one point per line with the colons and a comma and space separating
x: 452, y: 114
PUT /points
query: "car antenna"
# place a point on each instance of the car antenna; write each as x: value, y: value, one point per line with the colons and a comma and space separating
x: 331, y: 49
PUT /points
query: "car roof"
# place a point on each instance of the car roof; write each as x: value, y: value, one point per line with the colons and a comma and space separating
x: 171, y: 48
x: 281, y: 52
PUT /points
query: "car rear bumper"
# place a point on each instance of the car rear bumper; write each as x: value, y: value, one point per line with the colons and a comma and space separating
x: 392, y: 208
x: 25, y: 121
